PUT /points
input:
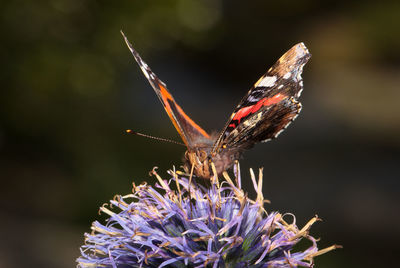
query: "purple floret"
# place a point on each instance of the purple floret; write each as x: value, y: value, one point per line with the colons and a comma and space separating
x: 210, y: 227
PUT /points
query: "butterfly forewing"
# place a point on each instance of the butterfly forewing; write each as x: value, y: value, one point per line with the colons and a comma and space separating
x: 189, y: 131
x: 269, y: 106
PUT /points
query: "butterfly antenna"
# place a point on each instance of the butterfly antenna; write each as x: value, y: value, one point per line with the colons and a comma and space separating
x: 130, y: 131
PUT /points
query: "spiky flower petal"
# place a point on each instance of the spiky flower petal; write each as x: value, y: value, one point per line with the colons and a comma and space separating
x: 195, y: 226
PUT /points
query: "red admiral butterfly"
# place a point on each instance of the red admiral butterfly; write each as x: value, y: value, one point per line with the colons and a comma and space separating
x: 264, y: 112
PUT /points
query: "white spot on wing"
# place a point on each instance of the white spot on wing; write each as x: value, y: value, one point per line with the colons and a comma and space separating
x: 268, y: 81
x: 299, y: 93
x: 280, y: 131
x: 145, y: 72
x: 287, y: 75
x: 301, y: 89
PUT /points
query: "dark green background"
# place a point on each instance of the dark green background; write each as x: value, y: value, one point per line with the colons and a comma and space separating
x: 69, y: 89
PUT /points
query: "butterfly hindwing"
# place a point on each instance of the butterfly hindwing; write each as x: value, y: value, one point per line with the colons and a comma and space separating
x: 186, y: 127
x: 269, y: 106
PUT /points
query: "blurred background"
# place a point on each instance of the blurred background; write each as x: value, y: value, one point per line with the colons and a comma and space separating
x: 70, y: 88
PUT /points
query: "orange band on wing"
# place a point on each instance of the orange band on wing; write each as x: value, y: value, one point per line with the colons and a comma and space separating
x: 167, y: 96
x: 192, y: 123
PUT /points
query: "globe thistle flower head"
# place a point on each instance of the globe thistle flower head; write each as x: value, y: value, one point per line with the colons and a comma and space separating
x: 196, y: 226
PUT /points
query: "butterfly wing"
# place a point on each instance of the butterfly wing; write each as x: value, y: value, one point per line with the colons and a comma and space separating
x: 269, y: 106
x: 189, y: 131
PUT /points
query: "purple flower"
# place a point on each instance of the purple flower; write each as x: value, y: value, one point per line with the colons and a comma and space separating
x: 196, y: 226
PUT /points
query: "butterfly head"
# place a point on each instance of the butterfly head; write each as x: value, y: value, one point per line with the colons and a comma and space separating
x: 199, y: 159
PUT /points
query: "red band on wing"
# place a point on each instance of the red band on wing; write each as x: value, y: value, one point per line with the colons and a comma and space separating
x: 245, y: 111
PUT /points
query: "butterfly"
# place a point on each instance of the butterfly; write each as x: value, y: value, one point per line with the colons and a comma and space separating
x: 263, y: 113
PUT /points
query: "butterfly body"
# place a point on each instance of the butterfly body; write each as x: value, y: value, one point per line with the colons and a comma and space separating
x: 263, y: 113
